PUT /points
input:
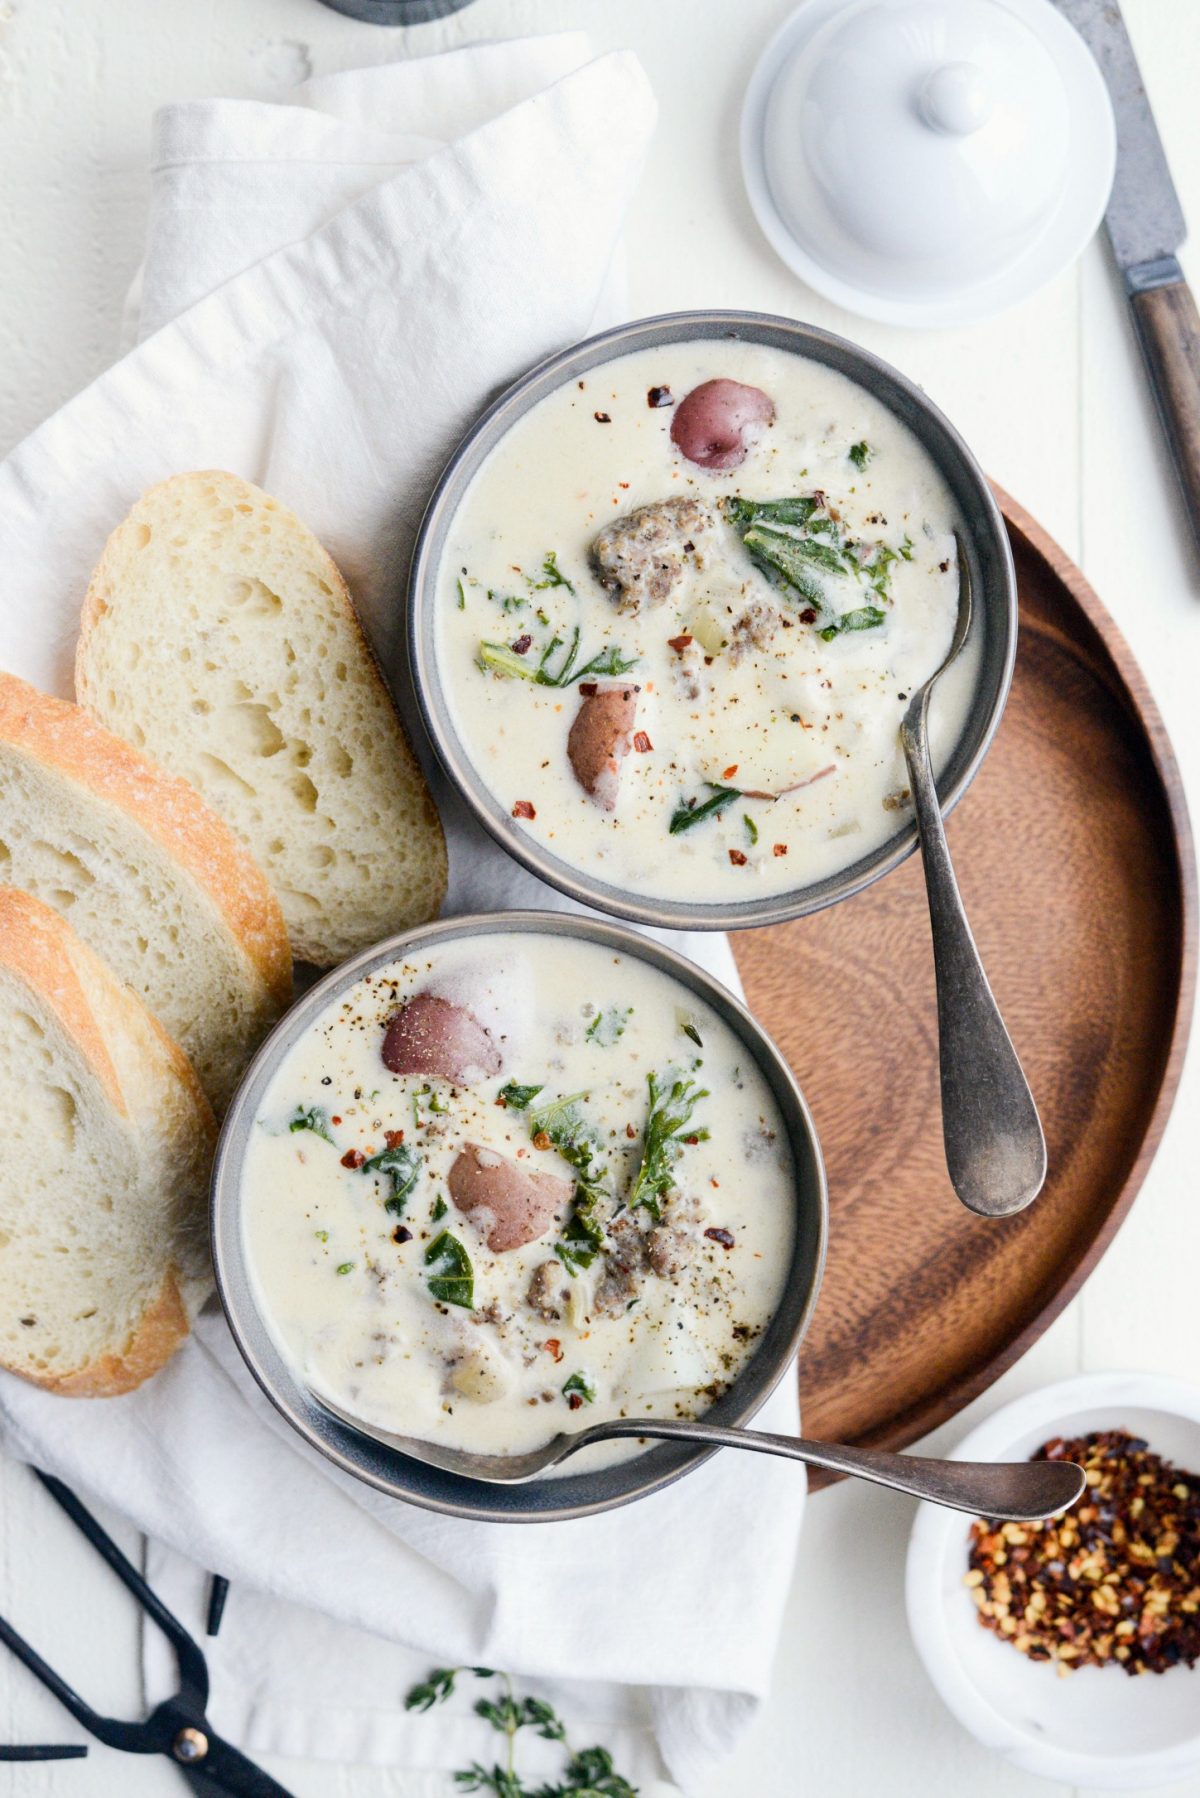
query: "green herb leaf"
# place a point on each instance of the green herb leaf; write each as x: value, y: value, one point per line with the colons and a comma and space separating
x: 673, y: 1098
x: 462, y: 596
x: 689, y: 1029
x: 347, y: 1267
x: 433, y: 1690
x: 608, y: 1026
x: 403, y: 1168
x: 864, y: 619
x: 801, y: 548
x: 860, y: 454
x: 580, y: 1383
x: 517, y: 1098
x: 439, y: 1210
x: 567, y: 1129
x: 692, y: 812
x: 751, y: 828
x: 316, y: 1119
x: 321, y: 1235
x: 453, y: 1278
x: 742, y: 513
x: 552, y: 574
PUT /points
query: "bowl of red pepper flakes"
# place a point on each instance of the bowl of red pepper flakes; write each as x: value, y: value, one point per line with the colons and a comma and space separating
x: 1114, y: 1581
x: 1024, y: 1629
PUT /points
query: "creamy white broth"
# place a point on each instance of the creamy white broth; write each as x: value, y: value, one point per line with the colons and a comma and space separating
x: 352, y: 1308
x: 796, y: 709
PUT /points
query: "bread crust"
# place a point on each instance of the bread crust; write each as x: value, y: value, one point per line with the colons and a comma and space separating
x: 43, y: 952
x: 68, y: 738
x: 36, y: 945
x: 160, y: 1330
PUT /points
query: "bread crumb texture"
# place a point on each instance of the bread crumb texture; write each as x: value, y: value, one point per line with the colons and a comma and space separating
x: 104, y: 1164
x: 219, y: 637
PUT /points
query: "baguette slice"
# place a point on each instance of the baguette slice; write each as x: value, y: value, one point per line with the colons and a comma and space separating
x: 104, y: 1160
x: 218, y: 636
x: 151, y: 878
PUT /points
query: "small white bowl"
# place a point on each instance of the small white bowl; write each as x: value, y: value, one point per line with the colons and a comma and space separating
x: 1098, y: 1728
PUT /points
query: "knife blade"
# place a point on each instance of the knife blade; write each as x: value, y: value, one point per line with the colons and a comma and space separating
x: 1145, y: 226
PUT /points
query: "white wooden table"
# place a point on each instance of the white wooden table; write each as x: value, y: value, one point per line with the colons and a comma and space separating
x: 1053, y: 401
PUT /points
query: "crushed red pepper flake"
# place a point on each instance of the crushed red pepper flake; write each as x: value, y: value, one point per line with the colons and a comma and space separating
x: 779, y: 849
x: 523, y: 809
x: 353, y: 1158
x: 642, y: 743
x: 737, y: 858
x: 679, y: 644
x: 393, y: 1138
x: 659, y: 396
x: 1115, y: 1580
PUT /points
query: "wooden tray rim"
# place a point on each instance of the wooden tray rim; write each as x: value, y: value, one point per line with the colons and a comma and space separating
x: 1130, y: 686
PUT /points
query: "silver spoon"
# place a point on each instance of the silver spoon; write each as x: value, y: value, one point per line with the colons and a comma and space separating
x: 995, y: 1149
x: 1023, y: 1491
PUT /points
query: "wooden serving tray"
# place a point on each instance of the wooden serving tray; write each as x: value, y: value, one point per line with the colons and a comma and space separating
x: 1074, y: 855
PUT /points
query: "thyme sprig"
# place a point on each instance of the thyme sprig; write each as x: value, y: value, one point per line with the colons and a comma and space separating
x: 673, y: 1099
x: 503, y: 659
x: 589, y: 1772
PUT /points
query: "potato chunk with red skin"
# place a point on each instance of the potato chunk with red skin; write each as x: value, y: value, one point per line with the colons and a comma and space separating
x: 715, y: 424
x: 516, y: 1204
x: 429, y: 1035
x: 600, y: 738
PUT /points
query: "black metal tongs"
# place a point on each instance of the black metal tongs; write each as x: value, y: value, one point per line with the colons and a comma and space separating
x: 178, y: 1727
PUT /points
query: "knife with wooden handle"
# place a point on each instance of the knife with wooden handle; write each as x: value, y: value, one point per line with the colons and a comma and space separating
x: 1145, y: 226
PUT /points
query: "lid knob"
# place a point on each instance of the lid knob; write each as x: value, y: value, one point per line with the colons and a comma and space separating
x: 956, y: 99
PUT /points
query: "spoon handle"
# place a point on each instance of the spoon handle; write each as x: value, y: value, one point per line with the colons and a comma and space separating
x: 995, y: 1149
x: 1024, y: 1491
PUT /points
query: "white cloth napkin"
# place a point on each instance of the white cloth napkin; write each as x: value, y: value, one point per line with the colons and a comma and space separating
x: 332, y: 289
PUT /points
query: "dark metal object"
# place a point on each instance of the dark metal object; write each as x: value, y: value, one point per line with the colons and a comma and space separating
x: 575, y: 1495
x: 218, y: 1592
x: 178, y: 1727
x: 396, y: 12
x: 1146, y: 226
x: 987, y: 549
x: 49, y: 1751
x: 995, y: 1147
x: 1023, y: 1491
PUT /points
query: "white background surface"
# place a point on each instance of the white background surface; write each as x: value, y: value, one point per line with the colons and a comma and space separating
x: 1051, y: 397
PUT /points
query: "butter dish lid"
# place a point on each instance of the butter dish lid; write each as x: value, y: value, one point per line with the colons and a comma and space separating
x: 927, y: 162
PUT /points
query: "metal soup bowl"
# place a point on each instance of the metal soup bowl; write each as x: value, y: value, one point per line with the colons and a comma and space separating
x: 573, y: 1494
x: 989, y: 556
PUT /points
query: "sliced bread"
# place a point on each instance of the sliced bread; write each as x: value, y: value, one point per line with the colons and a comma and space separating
x: 104, y: 1161
x: 218, y: 635
x: 151, y: 878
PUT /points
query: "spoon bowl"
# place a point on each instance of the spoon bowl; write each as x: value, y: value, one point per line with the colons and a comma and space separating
x: 1022, y: 1491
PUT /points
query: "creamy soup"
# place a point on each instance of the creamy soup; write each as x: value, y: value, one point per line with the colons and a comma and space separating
x: 512, y: 1187
x: 680, y: 611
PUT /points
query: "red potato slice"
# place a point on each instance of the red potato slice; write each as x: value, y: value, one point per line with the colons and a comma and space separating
x: 600, y: 739
x: 431, y: 1036
x: 514, y: 1203
x: 716, y: 423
